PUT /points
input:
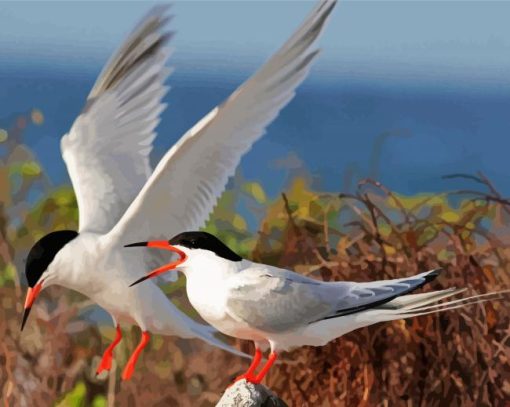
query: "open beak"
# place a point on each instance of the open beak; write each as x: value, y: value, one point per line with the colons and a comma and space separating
x: 160, y: 244
x: 32, y: 294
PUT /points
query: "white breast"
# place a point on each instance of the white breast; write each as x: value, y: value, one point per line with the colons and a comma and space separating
x: 207, y: 293
x: 206, y: 276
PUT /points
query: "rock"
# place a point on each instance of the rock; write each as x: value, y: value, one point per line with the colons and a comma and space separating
x: 244, y: 394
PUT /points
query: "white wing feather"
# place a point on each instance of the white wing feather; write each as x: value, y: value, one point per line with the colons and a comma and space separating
x: 196, y: 169
x: 276, y: 300
x: 107, y: 149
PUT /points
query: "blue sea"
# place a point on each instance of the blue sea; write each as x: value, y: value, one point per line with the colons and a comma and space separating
x: 336, y: 130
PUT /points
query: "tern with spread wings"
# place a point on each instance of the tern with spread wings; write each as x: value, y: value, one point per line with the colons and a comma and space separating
x: 120, y: 199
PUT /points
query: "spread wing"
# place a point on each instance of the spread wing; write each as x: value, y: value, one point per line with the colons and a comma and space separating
x: 196, y: 169
x: 276, y: 300
x: 107, y: 149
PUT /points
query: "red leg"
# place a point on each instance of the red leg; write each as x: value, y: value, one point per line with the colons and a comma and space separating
x: 257, y: 379
x: 130, y: 367
x: 106, y: 361
x: 248, y: 375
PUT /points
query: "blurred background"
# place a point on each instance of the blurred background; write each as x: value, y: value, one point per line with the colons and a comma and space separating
x: 391, y: 159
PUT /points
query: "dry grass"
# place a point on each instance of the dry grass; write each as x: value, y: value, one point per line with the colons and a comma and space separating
x: 448, y: 359
x: 454, y: 358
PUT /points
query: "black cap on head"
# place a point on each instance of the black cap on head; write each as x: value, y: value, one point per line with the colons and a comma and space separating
x: 43, y: 253
x: 205, y: 241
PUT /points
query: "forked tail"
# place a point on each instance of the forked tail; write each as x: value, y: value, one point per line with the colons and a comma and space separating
x: 413, y: 305
x: 406, y: 306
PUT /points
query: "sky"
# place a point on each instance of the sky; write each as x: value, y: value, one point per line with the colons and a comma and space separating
x: 438, y: 70
x: 466, y: 42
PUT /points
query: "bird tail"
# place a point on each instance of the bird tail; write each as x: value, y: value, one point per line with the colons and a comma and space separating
x: 406, y: 306
x: 413, y: 305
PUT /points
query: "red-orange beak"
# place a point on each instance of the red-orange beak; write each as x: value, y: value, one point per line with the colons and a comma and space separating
x: 32, y: 294
x: 160, y: 244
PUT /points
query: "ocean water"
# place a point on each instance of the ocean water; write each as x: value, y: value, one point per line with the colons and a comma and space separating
x: 336, y: 130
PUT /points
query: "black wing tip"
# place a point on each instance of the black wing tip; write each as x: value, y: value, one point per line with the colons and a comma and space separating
x: 159, y: 11
x: 432, y: 275
x: 427, y: 278
x: 138, y: 244
x: 325, y: 8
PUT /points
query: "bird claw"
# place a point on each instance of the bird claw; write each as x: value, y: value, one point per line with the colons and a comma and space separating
x: 249, y: 378
x: 105, y: 364
x: 99, y: 371
x: 128, y: 372
x: 242, y: 377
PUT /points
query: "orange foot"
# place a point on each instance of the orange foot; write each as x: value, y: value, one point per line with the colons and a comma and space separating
x: 248, y: 377
x: 251, y: 370
x: 106, y: 361
x: 245, y: 376
x: 130, y: 367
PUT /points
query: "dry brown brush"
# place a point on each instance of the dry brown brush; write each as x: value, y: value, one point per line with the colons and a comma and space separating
x: 455, y: 358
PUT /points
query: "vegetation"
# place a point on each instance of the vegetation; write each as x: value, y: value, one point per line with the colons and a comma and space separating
x: 454, y: 358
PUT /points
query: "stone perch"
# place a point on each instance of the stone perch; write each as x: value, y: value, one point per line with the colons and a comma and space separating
x: 244, y: 394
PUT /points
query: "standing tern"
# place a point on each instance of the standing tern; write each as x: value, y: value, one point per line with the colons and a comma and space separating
x: 270, y: 305
x: 120, y: 200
